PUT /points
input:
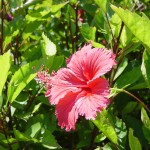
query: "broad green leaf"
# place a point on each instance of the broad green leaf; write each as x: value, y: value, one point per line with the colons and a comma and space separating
x: 146, y: 127
x: 121, y: 132
x: 136, y: 125
x: 129, y: 107
x: 140, y: 84
x: 57, y: 7
x: 105, y: 123
x: 141, y: 29
x: 30, y: 28
x: 21, y: 78
x: 128, y: 78
x: 121, y: 68
x: 145, y: 68
x: 49, y: 140
x: 57, y: 63
x: 126, y: 34
x: 50, y: 47
x: 29, y: 3
x: 23, y: 137
x: 88, y: 32
x: 34, y: 129
x: 134, y: 143
x: 48, y: 50
x: 103, y: 4
x: 4, y: 68
x: 145, y: 119
x: 99, y: 138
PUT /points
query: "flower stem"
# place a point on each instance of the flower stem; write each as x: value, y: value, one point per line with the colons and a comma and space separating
x: 2, y: 25
x: 124, y: 91
x: 94, y: 133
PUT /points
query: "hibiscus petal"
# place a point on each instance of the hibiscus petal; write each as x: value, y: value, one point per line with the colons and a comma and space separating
x: 66, y: 112
x: 66, y: 77
x: 59, y: 92
x: 91, y: 102
x: 90, y: 63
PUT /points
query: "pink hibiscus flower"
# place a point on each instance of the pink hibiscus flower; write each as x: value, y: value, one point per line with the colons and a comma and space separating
x: 78, y: 89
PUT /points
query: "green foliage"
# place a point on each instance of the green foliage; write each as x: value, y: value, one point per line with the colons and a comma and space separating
x: 4, y: 65
x: 145, y: 68
x: 133, y: 141
x: 105, y: 123
x: 42, y: 34
x: 130, y: 18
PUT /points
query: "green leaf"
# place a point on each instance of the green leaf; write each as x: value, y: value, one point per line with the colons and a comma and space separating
x: 48, y: 50
x: 121, y: 68
x: 57, y: 63
x: 134, y: 143
x: 30, y: 28
x: 4, y: 67
x: 146, y: 121
x: 49, y: 140
x: 50, y: 47
x: 88, y: 32
x: 105, y: 123
x: 145, y: 67
x: 27, y: 5
x: 141, y: 29
x: 129, y: 107
x: 103, y: 4
x: 128, y: 78
x: 21, y: 78
x: 57, y: 7
x: 34, y: 129
x: 23, y: 137
x: 121, y: 131
x: 144, y: 117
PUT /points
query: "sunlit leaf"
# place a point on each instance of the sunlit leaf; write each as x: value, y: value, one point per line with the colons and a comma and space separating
x: 49, y: 140
x: 21, y: 78
x: 128, y: 78
x: 57, y: 7
x: 105, y: 123
x: 121, y: 68
x: 141, y: 29
x: 23, y: 137
x: 88, y: 32
x: 146, y: 127
x: 4, y: 67
x: 103, y: 4
x: 145, y: 68
x: 133, y: 141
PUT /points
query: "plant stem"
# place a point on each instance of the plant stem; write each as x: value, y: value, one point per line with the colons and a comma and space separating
x: 94, y: 133
x: 118, y: 39
x: 136, y: 99
x: 4, y: 130
x: 76, y: 23
x: 110, y: 28
x: 124, y: 91
x: 115, y: 50
x: 2, y: 25
x: 71, y: 36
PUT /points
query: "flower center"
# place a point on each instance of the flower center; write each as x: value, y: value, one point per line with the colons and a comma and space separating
x: 87, y: 89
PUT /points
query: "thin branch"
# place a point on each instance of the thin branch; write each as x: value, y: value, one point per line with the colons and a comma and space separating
x: 110, y: 28
x: 4, y: 130
x: 94, y: 133
x: 124, y: 91
x: 76, y: 23
x: 137, y: 100
x: 2, y: 25
x: 115, y: 48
